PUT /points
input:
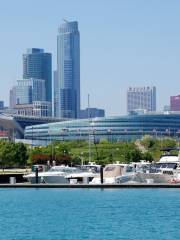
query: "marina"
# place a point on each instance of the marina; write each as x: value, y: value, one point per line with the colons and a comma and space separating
x: 165, y: 171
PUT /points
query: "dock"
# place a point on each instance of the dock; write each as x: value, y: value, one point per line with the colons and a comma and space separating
x: 90, y: 186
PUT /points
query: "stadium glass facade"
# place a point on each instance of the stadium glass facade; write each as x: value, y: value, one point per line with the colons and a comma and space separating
x: 121, y: 128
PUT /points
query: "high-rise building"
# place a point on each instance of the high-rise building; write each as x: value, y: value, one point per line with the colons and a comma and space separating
x: 1, y: 105
x: 141, y: 98
x: 67, y: 80
x: 175, y: 103
x: 56, y: 109
x: 38, y: 64
x: 30, y: 90
x: 12, y: 97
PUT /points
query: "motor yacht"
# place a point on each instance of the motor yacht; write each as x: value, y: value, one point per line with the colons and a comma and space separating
x: 116, y: 173
x: 82, y: 177
x: 56, y: 174
x: 86, y: 175
x: 163, y: 171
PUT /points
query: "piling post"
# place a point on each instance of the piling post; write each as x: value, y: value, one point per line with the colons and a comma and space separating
x: 37, y: 181
x: 101, y: 174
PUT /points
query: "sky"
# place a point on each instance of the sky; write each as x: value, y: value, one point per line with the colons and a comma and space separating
x: 123, y: 43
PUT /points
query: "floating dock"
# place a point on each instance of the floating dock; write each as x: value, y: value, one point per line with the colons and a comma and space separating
x: 89, y: 186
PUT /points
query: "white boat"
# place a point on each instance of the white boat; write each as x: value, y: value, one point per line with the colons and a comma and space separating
x: 116, y: 173
x: 82, y: 177
x: 166, y: 170
x: 90, y: 167
x: 56, y: 174
x: 86, y: 175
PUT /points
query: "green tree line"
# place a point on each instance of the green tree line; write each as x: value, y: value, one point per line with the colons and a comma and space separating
x: 78, y: 152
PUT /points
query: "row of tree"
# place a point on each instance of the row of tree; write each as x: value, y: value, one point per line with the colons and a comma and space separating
x: 78, y: 152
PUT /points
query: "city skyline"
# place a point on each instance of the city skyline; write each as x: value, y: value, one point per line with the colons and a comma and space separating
x: 131, y: 47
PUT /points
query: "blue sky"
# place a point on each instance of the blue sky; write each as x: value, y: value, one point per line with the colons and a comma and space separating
x: 123, y: 43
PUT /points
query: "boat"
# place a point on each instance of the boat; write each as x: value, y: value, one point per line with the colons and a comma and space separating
x: 166, y: 170
x: 65, y: 174
x: 56, y: 174
x: 86, y: 175
x: 90, y: 167
x: 116, y: 173
x: 81, y: 177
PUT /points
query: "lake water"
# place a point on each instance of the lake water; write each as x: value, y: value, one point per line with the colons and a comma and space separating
x: 76, y: 214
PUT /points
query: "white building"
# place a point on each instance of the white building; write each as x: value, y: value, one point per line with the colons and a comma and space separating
x: 143, y: 98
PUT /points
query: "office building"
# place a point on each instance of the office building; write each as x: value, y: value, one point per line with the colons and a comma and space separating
x: 38, y: 65
x: 67, y: 78
x: 1, y: 105
x: 175, y: 103
x: 30, y: 90
x: 12, y: 97
x: 56, y: 108
x: 92, y: 113
x: 36, y: 109
x: 141, y: 98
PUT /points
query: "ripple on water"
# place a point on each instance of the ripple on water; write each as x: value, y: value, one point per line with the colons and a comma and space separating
x: 78, y: 214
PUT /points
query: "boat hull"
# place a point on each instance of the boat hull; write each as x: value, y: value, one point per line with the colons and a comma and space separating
x: 56, y: 179
x: 155, y: 177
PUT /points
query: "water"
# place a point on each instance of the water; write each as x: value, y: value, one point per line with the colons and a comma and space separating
x: 76, y: 214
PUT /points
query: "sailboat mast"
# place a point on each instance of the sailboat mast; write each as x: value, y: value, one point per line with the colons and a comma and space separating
x: 89, y: 120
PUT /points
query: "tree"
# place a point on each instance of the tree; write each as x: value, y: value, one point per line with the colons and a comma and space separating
x: 149, y: 142
x: 147, y: 156
x: 21, y: 155
x: 136, y: 155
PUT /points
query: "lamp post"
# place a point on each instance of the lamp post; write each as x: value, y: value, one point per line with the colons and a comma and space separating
x: 82, y: 160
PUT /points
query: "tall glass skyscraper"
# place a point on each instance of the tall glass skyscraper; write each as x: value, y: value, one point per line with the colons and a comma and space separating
x: 38, y: 64
x: 67, y: 78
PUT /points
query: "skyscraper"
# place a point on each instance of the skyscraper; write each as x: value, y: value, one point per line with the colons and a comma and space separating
x: 141, y: 98
x: 12, y: 97
x: 30, y: 90
x: 38, y: 65
x: 67, y: 79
